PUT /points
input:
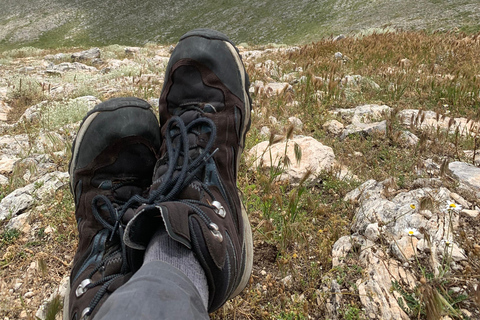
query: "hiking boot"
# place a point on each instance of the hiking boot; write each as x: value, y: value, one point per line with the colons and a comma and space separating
x: 204, y: 114
x: 112, y: 163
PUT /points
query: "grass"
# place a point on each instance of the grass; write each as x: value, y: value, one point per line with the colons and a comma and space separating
x: 294, y: 226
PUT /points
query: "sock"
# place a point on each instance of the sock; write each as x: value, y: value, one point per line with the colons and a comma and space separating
x: 163, y: 248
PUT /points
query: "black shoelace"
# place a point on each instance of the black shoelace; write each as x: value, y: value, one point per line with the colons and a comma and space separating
x: 181, y: 171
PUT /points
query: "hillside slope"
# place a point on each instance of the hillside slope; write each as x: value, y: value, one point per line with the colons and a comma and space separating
x: 72, y: 22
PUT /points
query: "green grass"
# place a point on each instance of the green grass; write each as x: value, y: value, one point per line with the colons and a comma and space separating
x: 129, y: 22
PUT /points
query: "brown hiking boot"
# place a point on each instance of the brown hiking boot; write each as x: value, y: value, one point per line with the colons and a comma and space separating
x: 204, y: 114
x: 113, y: 158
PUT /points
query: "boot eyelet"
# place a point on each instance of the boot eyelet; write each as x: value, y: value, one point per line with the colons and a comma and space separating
x: 217, y: 234
x: 85, y: 314
x: 220, y: 209
x: 82, y: 287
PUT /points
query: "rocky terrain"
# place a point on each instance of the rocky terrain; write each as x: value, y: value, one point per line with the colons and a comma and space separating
x: 362, y: 192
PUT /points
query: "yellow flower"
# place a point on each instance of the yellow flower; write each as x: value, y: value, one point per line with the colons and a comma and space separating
x: 411, y: 232
x: 294, y: 256
x: 412, y: 206
x: 453, y: 206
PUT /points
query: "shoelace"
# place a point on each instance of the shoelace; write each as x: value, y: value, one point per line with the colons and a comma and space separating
x: 187, y: 169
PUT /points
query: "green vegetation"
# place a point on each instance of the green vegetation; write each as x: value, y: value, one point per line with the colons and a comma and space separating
x: 93, y: 23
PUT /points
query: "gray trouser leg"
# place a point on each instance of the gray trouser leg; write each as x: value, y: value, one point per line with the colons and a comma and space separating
x: 157, y: 291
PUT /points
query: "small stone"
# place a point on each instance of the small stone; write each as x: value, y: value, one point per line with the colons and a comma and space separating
x: 470, y: 213
x: 23, y: 314
x: 132, y: 50
x: 334, y: 127
x: 338, y: 55
x: 48, y: 230
x: 3, y: 180
x: 372, y: 232
x: 467, y: 313
x: 423, y: 246
x: 287, y: 281
x: 87, y: 54
x: 17, y: 285
x: 263, y: 273
x: 339, y: 37
x: 28, y: 295
x: 7, y: 164
x: 265, y: 131
x: 273, y: 120
x: 297, y: 123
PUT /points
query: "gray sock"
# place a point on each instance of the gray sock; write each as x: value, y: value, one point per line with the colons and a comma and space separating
x: 163, y: 248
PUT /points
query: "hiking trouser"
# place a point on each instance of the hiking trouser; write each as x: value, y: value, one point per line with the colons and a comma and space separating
x: 157, y: 291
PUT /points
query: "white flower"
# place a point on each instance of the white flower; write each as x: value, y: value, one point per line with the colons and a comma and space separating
x: 411, y: 232
x: 453, y: 206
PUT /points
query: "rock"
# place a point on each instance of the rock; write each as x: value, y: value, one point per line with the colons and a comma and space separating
x: 315, y: 157
x: 3, y: 180
x: 33, y: 113
x: 338, y: 55
x: 404, y: 249
x: 358, y: 80
x: 365, y: 113
x: 405, y: 63
x: 470, y: 213
x: 4, y: 110
x: 19, y: 222
x: 277, y: 88
x: 409, y: 138
x: 375, y: 288
x: 22, y: 199
x: 132, y: 50
x: 15, y: 203
x: 297, y: 123
x: 273, y: 120
x: 430, y: 121
x: 265, y: 132
x: 466, y: 173
x: 75, y: 66
x: 372, y: 232
x: 26, y: 70
x: 427, y: 182
x: 59, y: 292
x: 339, y: 37
x: 87, y: 54
x: 7, y: 164
x: 364, y: 129
x: 58, y: 56
x: 287, y: 281
x: 334, y: 127
x: 363, y: 119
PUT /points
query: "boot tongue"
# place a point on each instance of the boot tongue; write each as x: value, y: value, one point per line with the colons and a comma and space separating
x: 190, y: 115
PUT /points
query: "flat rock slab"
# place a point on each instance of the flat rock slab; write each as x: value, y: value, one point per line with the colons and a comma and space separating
x: 315, y: 157
x: 466, y: 173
